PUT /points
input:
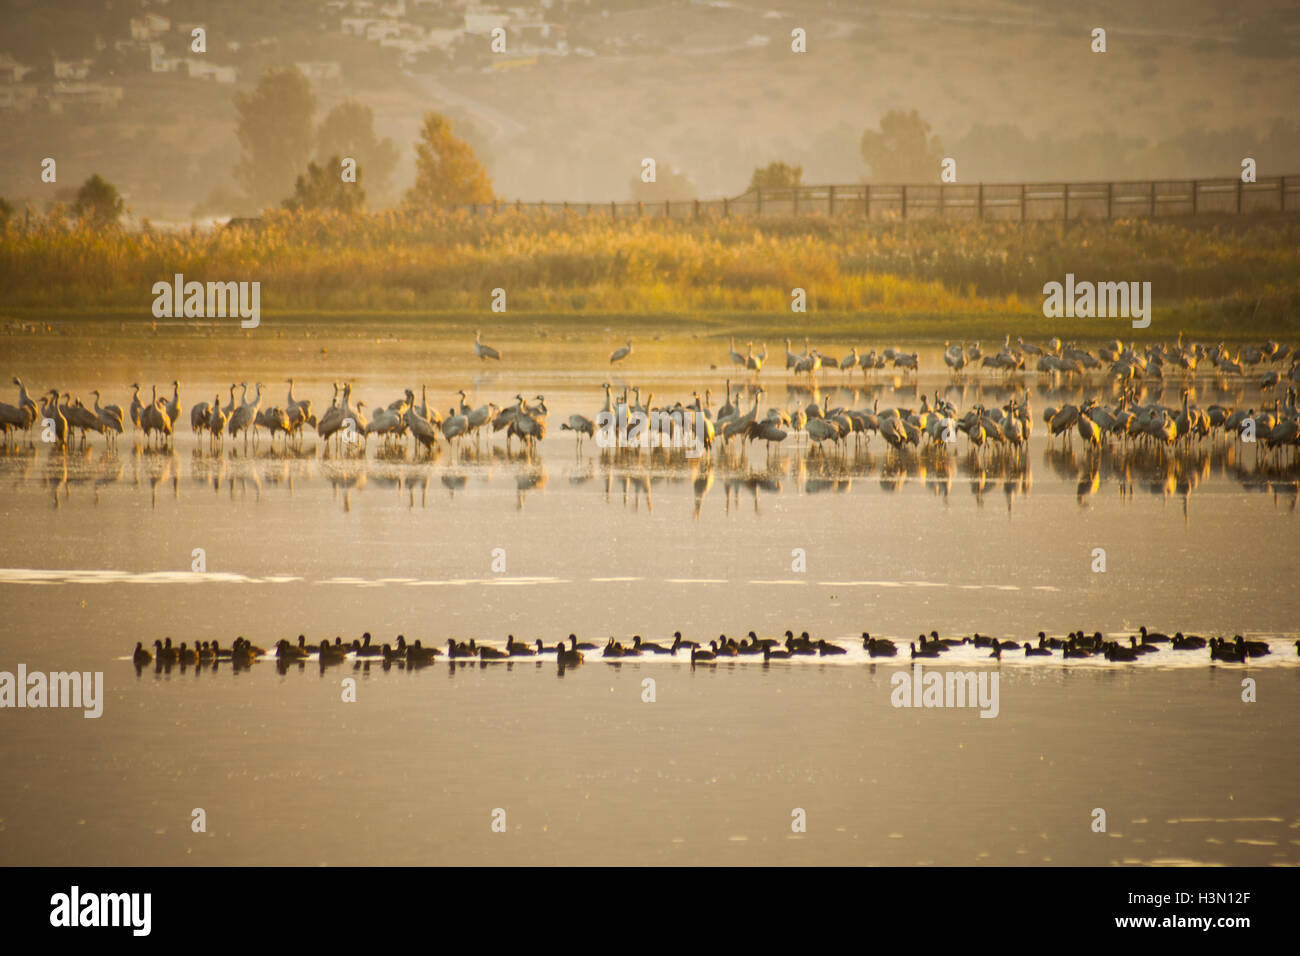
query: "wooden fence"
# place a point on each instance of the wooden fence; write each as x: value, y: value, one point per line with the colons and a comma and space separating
x: 958, y: 201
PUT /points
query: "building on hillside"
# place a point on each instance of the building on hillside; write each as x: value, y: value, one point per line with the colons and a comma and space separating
x: 72, y: 69
x: 11, y: 71
x: 84, y: 96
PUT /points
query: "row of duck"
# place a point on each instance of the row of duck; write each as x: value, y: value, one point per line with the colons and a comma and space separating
x: 572, y: 651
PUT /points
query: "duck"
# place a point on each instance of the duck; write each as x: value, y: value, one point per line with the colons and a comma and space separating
x: 1072, y: 649
x: 288, y: 652
x: 249, y: 647
x: 723, y: 647
x: 946, y: 641
x: 515, y: 649
x: 653, y: 648
x: 187, y: 655
x: 826, y: 648
x: 584, y: 646
x: 679, y: 642
x: 329, y: 654
x: 997, y: 651
x: 775, y: 655
x: 1118, y: 652
x: 1189, y: 643
x: 878, y: 647
x: 1031, y: 651
x: 141, y: 656
x: 1251, y: 648
x: 927, y: 650
x: 542, y: 648
x: 1052, y: 642
x: 1221, y: 650
x: 164, y: 652
x: 750, y: 647
x: 1149, y: 637
x: 567, y: 657
x: 365, y: 648
x: 1141, y: 648
x: 206, y: 654
x: 763, y: 641
x: 699, y: 655
x: 486, y: 653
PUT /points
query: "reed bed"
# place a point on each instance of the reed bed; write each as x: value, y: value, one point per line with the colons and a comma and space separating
x: 450, y: 263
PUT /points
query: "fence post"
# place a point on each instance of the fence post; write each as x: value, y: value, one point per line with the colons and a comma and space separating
x: 903, y: 190
x: 866, y: 201
x: 1022, y: 202
x: 979, y: 203
x: 697, y: 210
x: 1239, y: 185
x: 1110, y: 200
x: 1152, y: 201
x: 830, y: 202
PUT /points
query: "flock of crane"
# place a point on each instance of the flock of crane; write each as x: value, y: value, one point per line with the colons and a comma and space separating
x: 933, y: 425
x: 1076, y: 645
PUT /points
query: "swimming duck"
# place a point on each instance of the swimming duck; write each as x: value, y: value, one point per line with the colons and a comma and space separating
x: 1072, y: 649
x: 1149, y: 637
x: 329, y: 654
x: 1221, y: 650
x: 997, y: 651
x: 878, y: 647
x: 141, y: 656
x: 679, y: 642
x: 567, y: 657
x: 165, y: 653
x: 763, y: 641
x: 1189, y: 643
x: 927, y: 650
x: 1118, y: 652
x: 365, y: 648
x: 419, y: 654
x: 543, y: 649
x: 1141, y: 648
x: 1251, y: 648
x: 699, y: 655
x: 289, y: 652
x: 187, y: 655
x: 515, y: 649
x: 641, y: 645
x: 1031, y: 651
x: 826, y: 648
x: 584, y: 646
x: 206, y: 654
x: 486, y: 653
x: 775, y: 655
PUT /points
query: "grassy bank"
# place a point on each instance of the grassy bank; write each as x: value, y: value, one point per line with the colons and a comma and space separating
x: 1228, y: 278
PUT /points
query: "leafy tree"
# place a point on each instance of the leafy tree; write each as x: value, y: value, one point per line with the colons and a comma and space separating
x: 98, y: 202
x: 349, y: 130
x: 323, y: 188
x: 776, y: 175
x: 902, y: 150
x: 447, y: 173
x: 669, y: 184
x: 275, y: 133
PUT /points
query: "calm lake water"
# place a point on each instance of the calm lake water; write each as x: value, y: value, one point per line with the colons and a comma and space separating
x: 97, y: 549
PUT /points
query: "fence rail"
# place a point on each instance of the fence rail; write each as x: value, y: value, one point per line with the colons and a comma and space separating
x: 977, y: 201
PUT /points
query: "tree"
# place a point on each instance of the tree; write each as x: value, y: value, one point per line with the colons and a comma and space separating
x: 349, y: 130
x: 275, y: 133
x: 98, y: 202
x: 447, y: 173
x: 323, y: 188
x: 669, y: 184
x: 6, y: 213
x: 776, y: 175
x: 902, y: 150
